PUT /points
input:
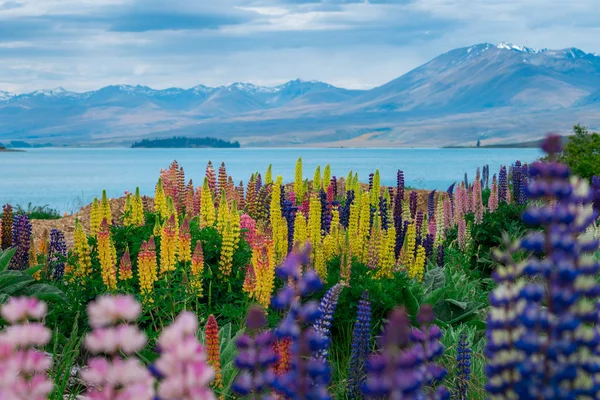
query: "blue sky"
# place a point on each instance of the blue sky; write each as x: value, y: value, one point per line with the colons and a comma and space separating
x: 86, y: 44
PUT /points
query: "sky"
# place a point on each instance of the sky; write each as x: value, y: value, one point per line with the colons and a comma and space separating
x: 83, y: 45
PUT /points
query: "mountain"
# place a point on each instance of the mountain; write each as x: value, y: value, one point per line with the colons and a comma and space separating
x: 496, y: 93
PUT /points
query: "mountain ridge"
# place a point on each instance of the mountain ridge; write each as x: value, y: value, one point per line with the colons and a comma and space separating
x: 469, y: 93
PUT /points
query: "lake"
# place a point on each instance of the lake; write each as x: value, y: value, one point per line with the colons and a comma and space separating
x: 68, y: 178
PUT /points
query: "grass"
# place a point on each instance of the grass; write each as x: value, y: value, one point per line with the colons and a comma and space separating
x: 38, y: 212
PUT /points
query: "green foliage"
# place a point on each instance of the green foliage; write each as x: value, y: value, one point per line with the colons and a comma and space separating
x: 582, y: 152
x: 38, y: 212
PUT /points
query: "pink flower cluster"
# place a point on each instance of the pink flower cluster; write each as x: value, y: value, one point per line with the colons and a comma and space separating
x: 182, y: 364
x: 23, y: 368
x: 114, y: 377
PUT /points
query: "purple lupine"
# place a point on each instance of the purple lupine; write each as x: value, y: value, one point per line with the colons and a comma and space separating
x: 288, y: 210
x: 406, y: 368
x: 400, y: 234
x: 419, y: 223
x: 450, y: 192
x: 596, y: 192
x: 547, y: 304
x: 516, y: 180
x: 466, y: 181
x: 399, y: 191
x: 326, y: 207
x: 22, y: 241
x: 431, y: 204
x: 259, y: 184
x: 413, y: 204
x: 485, y: 179
x: 502, y: 184
x: 524, y: 173
x: 334, y: 186
x: 371, y: 175
x: 323, y: 324
x: 463, y: 366
x: 345, y: 209
x: 441, y: 256
x: 308, y: 376
x: 383, y: 213
x: 57, y: 253
x: 428, y: 245
x: 360, y: 347
x: 255, y: 357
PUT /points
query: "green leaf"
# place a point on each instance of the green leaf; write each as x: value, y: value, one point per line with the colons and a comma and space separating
x: 32, y: 270
x: 461, y: 304
x: 3, y: 298
x: 411, y: 302
x: 434, y: 279
x: 434, y: 297
x: 5, y: 257
x: 46, y: 292
x: 13, y: 281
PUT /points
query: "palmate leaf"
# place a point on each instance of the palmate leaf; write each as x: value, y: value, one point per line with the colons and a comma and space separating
x: 13, y: 281
x: 46, y: 293
x: 5, y: 258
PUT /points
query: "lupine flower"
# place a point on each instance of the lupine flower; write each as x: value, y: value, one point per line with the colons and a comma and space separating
x: 182, y: 368
x: 596, y: 192
x: 383, y: 213
x: 125, y: 272
x: 248, y: 229
x: 326, y: 208
x: 23, y: 368
x: 516, y: 180
x: 22, y: 241
x: 405, y: 367
x: 551, y: 319
x: 478, y: 207
x: 299, y: 180
x: 197, y: 268
x: 400, y: 236
x: 431, y: 205
x: 417, y: 268
x: 419, y: 223
x: 466, y: 181
x: 522, y: 199
x: 213, y: 349
x: 345, y: 209
x: 440, y: 256
x: 486, y: 176
x: 207, y: 208
x: 259, y: 182
x: 387, y: 260
x: 323, y: 324
x: 364, y: 227
x: 374, y: 246
x: 462, y: 234
x: 300, y: 229
x: 169, y: 246
x: 115, y: 376
x: 185, y: 241
x: 408, y: 250
x: 282, y: 348
x: 398, y: 198
x: 105, y: 211
x: 463, y: 366
x: 502, y: 184
x: 288, y: 211
x: 308, y: 377
x: 428, y: 245
x: 493, y: 199
x: 57, y: 253
x: 255, y: 357
x: 317, y: 179
x: 211, y: 177
x: 6, y: 234
x: 221, y: 182
x: 413, y: 204
x: 375, y: 188
x: 147, y: 269
x: 326, y: 177
x: 319, y: 260
x: 314, y: 220
x: 360, y: 347
x: 82, y: 251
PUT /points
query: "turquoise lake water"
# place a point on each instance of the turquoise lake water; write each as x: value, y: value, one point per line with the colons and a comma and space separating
x: 68, y: 178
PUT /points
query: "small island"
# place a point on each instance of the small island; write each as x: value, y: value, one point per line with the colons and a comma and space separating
x: 185, y: 142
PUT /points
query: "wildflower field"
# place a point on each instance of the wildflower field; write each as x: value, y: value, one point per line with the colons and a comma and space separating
x: 328, y: 287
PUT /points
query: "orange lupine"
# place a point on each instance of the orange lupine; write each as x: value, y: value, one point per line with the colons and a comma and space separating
x: 213, y: 350
x: 125, y: 272
x: 197, y: 269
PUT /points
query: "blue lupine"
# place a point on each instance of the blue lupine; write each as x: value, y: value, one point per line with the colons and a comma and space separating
x: 327, y: 308
x: 551, y: 317
x: 441, y: 256
x: 406, y: 368
x: 383, y: 213
x: 596, y: 192
x: 398, y: 199
x: 255, y: 357
x: 371, y: 175
x: 466, y: 181
x: 288, y: 210
x: 258, y: 182
x: 360, y: 347
x: 450, y: 192
x: 326, y: 208
x: 502, y: 184
x: 412, y: 204
x: 419, y: 223
x: 22, y: 241
x: 400, y: 234
x: 308, y: 376
x: 428, y: 245
x: 57, y: 253
x: 524, y: 173
x: 463, y: 366
x: 516, y: 180
x: 431, y: 205
x: 486, y: 176
x: 345, y: 209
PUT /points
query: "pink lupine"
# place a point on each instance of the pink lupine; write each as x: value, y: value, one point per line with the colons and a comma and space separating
x: 182, y: 366
x: 248, y: 227
x: 432, y: 227
x: 115, y: 377
x: 493, y: 200
x: 478, y: 207
x: 23, y: 368
x: 462, y: 234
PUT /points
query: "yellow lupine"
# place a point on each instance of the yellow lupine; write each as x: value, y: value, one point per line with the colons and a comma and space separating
x: 185, y: 241
x: 235, y: 224
x: 320, y: 262
x: 197, y: 269
x: 160, y: 201
x: 408, y: 249
x: 278, y: 223
x: 147, y: 269
x: 418, y: 267
x: 207, y: 208
x: 353, y: 227
x: 299, y: 181
x: 226, y: 258
x: 314, y: 219
x: 300, y: 229
x: 107, y: 256
x: 348, y: 181
x: 222, y: 214
x: 376, y: 189
x: 334, y: 234
x: 95, y: 217
x: 375, y: 245
x: 263, y: 264
x: 346, y: 260
x: 269, y: 175
x: 317, y: 179
x: 386, y: 254
x: 356, y: 183
x: 137, y: 209
x: 81, y: 249
x: 364, y: 226
x: 326, y: 177
x: 105, y: 211
x: 439, y: 222
x: 128, y: 211
x: 168, y: 246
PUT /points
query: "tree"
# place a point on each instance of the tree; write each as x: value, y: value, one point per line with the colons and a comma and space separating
x: 582, y: 152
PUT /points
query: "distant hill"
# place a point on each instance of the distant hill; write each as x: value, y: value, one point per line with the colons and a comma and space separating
x: 184, y: 142
x: 494, y: 93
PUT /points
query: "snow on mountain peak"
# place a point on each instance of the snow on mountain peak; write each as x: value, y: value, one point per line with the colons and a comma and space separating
x: 521, y: 49
x: 4, y: 96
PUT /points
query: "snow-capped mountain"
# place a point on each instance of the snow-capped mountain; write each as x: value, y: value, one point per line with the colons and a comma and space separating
x: 502, y: 92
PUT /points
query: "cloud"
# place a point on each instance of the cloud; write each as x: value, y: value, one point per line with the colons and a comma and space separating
x: 85, y: 44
